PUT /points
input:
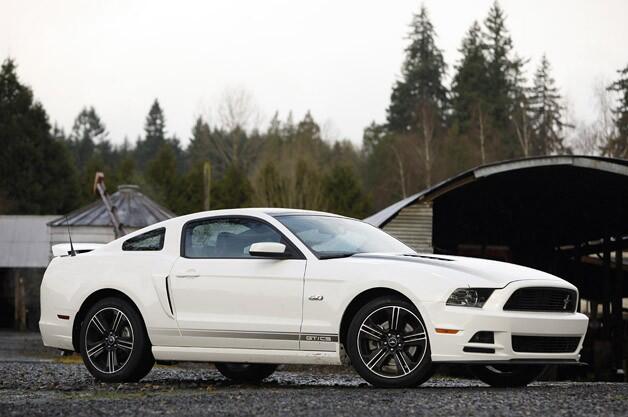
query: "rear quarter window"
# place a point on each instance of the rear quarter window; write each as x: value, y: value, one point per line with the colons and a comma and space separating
x: 149, y: 241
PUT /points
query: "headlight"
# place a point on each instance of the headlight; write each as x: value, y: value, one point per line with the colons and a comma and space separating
x: 469, y: 297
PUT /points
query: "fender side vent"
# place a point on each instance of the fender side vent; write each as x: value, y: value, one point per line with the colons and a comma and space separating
x: 168, y: 294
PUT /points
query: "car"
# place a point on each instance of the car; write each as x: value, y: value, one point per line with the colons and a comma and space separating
x: 249, y: 289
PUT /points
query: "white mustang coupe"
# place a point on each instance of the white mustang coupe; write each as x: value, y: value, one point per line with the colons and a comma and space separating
x: 252, y: 288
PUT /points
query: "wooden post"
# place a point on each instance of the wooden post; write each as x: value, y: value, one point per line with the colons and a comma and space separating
x: 20, y: 303
x: 606, y: 287
x: 207, y: 185
x: 577, y: 271
x: 618, y: 325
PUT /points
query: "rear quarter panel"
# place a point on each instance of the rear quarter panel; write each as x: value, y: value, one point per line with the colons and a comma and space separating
x: 69, y: 281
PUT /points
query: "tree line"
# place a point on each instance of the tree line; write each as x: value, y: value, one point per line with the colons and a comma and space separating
x: 491, y: 110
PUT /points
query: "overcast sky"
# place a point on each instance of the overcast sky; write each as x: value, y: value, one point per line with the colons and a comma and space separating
x: 337, y: 58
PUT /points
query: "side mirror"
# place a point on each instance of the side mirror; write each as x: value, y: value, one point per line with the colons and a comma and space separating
x: 268, y: 249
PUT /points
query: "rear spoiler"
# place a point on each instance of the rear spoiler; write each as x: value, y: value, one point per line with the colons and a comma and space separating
x: 63, y: 249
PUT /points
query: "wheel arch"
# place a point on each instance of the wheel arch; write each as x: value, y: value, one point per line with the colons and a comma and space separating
x: 93, y: 298
x: 360, y: 300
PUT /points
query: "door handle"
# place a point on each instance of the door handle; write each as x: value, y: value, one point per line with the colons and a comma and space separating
x: 188, y: 274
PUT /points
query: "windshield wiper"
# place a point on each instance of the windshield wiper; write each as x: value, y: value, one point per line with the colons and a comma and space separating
x: 336, y: 255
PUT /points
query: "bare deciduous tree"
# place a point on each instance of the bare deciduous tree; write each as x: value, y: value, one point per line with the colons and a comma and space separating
x: 237, y: 110
x: 401, y: 169
x: 425, y: 138
x: 590, y: 138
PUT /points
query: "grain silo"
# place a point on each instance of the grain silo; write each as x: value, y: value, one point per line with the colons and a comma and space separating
x: 92, y: 223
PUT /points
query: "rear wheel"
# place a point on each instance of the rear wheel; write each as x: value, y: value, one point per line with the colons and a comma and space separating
x: 246, y: 372
x: 507, y: 376
x: 388, y: 345
x: 114, y: 343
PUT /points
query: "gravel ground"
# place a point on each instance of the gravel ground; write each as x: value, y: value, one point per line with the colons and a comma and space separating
x: 36, y: 383
x: 38, y: 388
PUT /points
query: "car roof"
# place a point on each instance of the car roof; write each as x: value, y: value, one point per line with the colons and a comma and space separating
x: 270, y: 211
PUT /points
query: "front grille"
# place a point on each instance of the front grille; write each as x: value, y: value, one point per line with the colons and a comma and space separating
x: 542, y: 299
x: 545, y: 344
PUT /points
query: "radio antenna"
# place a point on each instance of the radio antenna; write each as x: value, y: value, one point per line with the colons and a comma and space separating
x: 72, y: 251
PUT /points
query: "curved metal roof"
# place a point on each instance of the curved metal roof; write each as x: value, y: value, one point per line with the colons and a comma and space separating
x: 134, y: 209
x: 615, y: 166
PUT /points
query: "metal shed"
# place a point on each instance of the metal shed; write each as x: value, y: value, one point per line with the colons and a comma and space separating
x: 567, y: 215
x: 24, y: 255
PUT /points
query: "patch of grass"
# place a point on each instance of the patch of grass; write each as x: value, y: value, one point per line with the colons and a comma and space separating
x: 72, y: 359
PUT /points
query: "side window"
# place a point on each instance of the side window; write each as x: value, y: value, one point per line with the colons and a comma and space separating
x: 149, y: 241
x: 226, y: 238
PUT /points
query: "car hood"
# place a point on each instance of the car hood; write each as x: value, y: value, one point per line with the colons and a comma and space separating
x: 484, y: 272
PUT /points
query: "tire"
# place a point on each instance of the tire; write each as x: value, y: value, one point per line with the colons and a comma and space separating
x: 385, y: 355
x: 507, y: 376
x: 114, y: 344
x: 252, y: 373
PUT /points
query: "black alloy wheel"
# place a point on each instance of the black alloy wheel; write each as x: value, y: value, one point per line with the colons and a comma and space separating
x: 246, y: 372
x: 388, y: 344
x: 507, y: 376
x: 114, y: 344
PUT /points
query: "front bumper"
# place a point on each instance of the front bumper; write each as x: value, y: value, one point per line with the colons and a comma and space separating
x: 504, y: 324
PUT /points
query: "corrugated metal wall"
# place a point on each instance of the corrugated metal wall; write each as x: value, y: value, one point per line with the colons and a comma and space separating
x: 413, y: 226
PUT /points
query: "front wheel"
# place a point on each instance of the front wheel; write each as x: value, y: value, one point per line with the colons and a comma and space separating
x: 114, y: 343
x: 245, y: 372
x: 388, y: 345
x: 507, y: 376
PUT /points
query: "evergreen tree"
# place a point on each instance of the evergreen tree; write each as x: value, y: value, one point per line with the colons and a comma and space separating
x: 191, y: 191
x: 422, y: 74
x: 617, y: 146
x: 125, y: 174
x: 200, y: 143
x: 547, y: 113
x: 344, y: 194
x: 418, y: 101
x: 502, y: 70
x: 233, y: 190
x: 91, y: 149
x: 273, y: 139
x: 272, y: 188
x: 179, y: 153
x: 88, y: 133
x: 154, y: 135
x: 470, y: 83
x: 288, y: 129
x: 307, y: 190
x: 499, y: 63
x: 308, y: 129
x: 373, y: 135
x: 274, y: 127
x: 387, y: 166
x: 162, y: 177
x: 36, y: 173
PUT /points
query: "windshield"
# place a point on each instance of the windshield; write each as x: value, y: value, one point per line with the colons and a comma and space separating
x: 333, y: 237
